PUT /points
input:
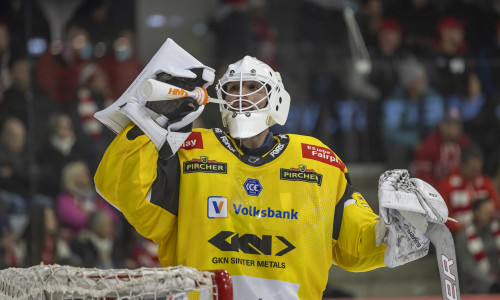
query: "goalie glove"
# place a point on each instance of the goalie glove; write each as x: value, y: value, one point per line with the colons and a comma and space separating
x: 174, y: 65
x: 168, y: 123
x: 406, y: 205
x: 176, y: 110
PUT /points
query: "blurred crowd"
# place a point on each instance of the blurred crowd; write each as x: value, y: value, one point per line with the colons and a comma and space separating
x: 427, y: 100
x: 50, y: 143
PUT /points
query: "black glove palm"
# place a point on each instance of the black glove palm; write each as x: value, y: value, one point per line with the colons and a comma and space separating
x: 177, y: 109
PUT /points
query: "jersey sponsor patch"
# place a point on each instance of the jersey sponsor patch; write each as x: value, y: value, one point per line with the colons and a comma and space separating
x: 251, y: 244
x: 302, y: 173
x: 277, y: 149
x: 194, y: 141
x: 252, y: 187
x: 204, y: 165
x: 217, y: 207
x: 252, y: 211
x: 322, y: 154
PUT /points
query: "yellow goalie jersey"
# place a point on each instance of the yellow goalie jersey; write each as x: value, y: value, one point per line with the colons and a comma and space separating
x: 275, y: 223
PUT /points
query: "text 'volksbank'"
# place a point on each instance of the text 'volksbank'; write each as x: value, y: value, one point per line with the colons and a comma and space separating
x: 266, y: 213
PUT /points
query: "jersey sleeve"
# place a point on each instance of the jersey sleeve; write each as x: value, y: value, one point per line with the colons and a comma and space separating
x: 143, y: 187
x: 354, y: 247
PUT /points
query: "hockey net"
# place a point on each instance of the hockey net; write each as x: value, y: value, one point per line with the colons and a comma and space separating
x: 54, y: 282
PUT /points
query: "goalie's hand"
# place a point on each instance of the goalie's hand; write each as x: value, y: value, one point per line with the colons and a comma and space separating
x: 182, y: 112
x: 417, y: 200
x: 406, y: 206
x: 169, y: 123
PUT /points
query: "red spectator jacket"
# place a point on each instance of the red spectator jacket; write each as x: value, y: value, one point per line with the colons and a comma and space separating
x: 435, y: 159
x: 459, y: 193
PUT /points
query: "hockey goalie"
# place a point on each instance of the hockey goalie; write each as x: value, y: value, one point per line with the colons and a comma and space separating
x: 274, y: 210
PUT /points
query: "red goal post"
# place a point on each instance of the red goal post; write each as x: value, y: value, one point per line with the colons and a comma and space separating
x: 53, y: 282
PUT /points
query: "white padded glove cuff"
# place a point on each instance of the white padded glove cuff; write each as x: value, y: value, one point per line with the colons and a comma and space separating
x: 137, y: 113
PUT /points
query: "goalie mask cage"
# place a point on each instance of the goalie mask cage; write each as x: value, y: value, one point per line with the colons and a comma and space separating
x: 55, y: 282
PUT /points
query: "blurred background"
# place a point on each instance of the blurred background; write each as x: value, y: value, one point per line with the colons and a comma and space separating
x: 386, y: 84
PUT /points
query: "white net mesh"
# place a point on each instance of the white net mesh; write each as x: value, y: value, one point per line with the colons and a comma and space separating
x: 66, y: 282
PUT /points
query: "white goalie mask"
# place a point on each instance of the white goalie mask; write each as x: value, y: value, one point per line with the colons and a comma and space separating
x: 248, y: 115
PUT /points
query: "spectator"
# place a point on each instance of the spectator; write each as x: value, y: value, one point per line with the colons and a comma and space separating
x: 496, y: 176
x: 412, y: 111
x: 122, y: 65
x: 14, y: 168
x: 10, y: 255
x: 78, y: 199
x: 418, y: 18
x: 481, y: 119
x: 42, y: 240
x: 63, y: 61
x: 94, y: 245
x: 464, y: 185
x: 439, y: 153
x: 16, y: 101
x: 61, y: 147
x: 13, y: 103
x: 387, y: 57
x: 103, y: 20
x: 452, y: 63
x: 94, y: 17
x: 4, y: 58
x: 470, y: 104
x: 477, y: 19
x: 477, y: 248
x: 94, y: 94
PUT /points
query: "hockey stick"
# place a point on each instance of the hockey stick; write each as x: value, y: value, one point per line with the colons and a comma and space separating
x: 441, y: 238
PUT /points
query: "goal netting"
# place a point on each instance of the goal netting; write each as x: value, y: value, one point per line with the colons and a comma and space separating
x: 54, y: 282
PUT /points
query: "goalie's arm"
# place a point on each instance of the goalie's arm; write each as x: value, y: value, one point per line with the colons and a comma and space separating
x: 133, y: 179
x: 354, y: 247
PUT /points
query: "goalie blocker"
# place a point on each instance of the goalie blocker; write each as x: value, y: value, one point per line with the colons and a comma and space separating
x: 412, y: 215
